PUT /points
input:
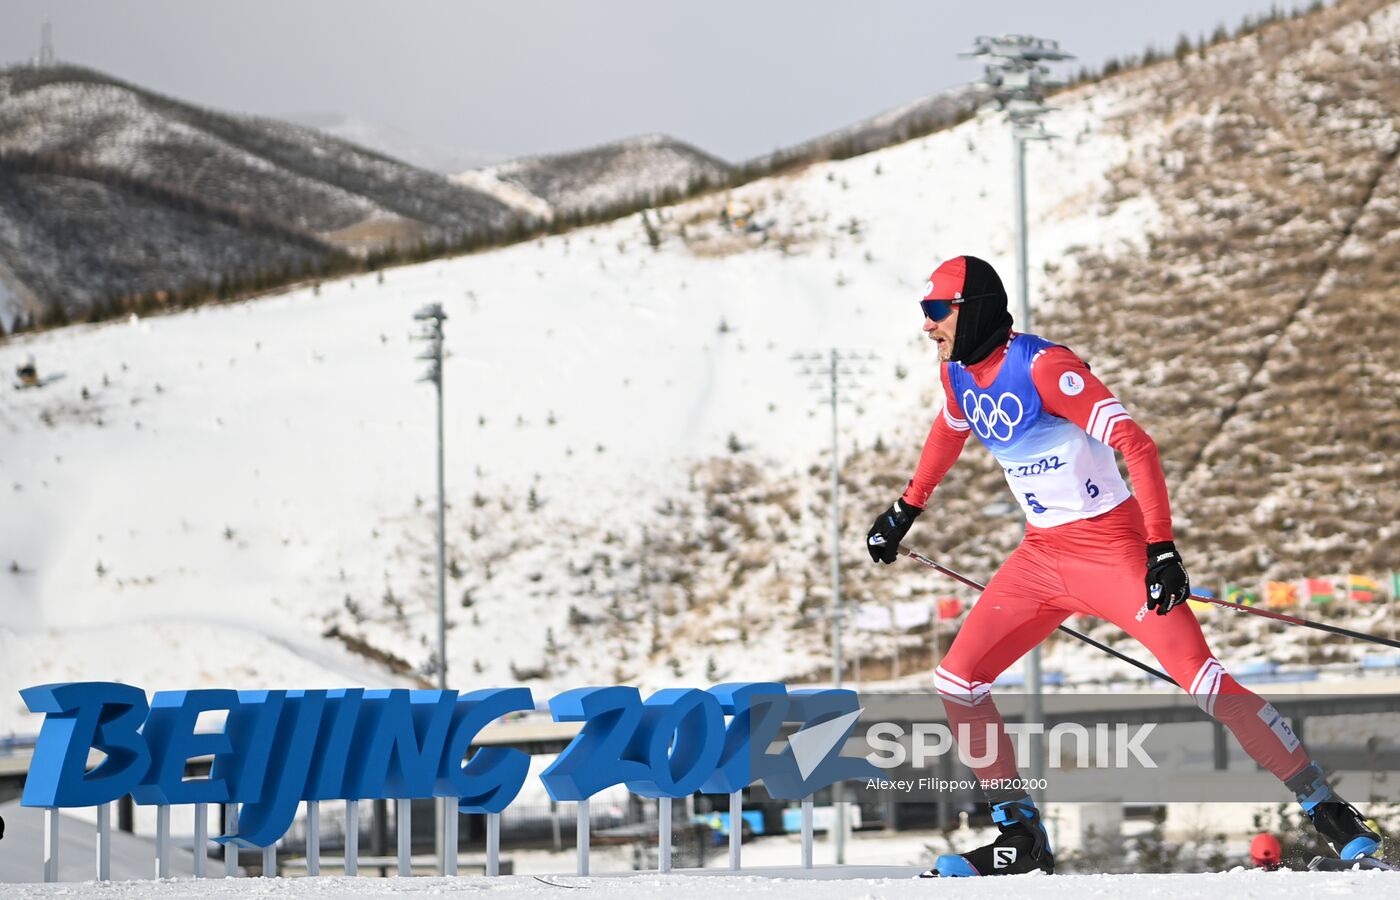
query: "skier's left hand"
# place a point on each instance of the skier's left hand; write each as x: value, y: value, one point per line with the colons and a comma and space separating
x: 1168, y: 585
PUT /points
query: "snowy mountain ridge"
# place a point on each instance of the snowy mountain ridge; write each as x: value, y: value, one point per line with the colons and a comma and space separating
x: 644, y: 170
x: 395, y: 143
x: 107, y: 189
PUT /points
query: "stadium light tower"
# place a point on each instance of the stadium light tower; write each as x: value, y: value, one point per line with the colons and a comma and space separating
x: 1015, y: 70
x: 432, y: 317
x: 834, y: 366
x: 47, y: 59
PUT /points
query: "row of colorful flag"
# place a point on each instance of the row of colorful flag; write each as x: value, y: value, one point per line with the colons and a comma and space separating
x: 1270, y: 594
x: 1305, y: 592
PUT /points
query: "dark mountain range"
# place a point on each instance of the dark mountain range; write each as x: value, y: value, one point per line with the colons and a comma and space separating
x: 107, y: 189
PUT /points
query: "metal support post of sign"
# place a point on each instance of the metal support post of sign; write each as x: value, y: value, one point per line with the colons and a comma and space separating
x: 581, y: 836
x: 352, y: 837
x: 163, y: 841
x: 736, y: 828
x: 807, y: 833
x: 663, y: 835
x: 313, y: 837
x: 200, y: 844
x: 493, y: 843
x: 231, y: 847
x: 270, y: 860
x: 403, y: 824
x: 50, y: 844
x: 450, y: 806
x: 104, y: 842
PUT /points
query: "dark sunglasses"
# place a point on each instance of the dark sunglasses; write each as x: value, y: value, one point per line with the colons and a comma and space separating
x: 938, y: 310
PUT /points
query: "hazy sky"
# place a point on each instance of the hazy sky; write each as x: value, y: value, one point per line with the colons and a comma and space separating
x: 513, y: 77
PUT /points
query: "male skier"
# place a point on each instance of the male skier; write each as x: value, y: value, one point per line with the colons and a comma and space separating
x: 1053, y: 427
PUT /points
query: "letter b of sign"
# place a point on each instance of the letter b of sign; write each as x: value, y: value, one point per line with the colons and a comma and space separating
x: 83, y: 716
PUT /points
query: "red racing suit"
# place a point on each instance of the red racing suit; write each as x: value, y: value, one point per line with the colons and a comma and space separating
x: 1054, y: 426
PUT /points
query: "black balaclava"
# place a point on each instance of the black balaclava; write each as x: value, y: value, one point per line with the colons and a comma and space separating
x: 984, y: 323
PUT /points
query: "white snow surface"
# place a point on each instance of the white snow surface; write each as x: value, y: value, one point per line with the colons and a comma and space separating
x: 236, y: 472
x: 819, y: 884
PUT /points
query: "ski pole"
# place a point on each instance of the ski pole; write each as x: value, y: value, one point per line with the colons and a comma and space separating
x: 919, y: 557
x: 1294, y: 620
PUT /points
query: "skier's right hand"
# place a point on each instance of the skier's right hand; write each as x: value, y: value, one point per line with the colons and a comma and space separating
x: 1168, y: 585
x: 889, y: 529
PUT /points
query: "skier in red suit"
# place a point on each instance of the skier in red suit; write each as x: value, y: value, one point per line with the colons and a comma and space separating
x: 1090, y: 548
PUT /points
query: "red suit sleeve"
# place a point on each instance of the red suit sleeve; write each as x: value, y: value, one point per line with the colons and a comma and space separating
x: 1094, y: 408
x: 941, y: 448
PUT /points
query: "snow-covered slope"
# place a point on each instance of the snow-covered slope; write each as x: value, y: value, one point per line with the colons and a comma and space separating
x: 636, y: 467
x: 234, y: 479
x: 642, y: 170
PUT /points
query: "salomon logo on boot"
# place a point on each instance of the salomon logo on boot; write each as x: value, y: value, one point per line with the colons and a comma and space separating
x: 1341, y: 826
x: 1021, y: 847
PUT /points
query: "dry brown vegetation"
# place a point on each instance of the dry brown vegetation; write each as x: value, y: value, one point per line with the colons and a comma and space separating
x: 1266, y: 302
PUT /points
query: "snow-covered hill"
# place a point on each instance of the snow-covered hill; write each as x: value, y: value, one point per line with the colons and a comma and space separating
x: 107, y: 189
x: 642, y: 170
x: 238, y: 479
x: 636, y: 467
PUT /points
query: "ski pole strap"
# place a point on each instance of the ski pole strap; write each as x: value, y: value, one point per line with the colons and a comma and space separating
x: 920, y: 558
x: 1295, y: 620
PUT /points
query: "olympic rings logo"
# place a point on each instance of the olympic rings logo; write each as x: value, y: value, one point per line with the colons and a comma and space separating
x: 993, y: 419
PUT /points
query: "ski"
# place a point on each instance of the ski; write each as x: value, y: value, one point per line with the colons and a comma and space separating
x: 1329, y: 864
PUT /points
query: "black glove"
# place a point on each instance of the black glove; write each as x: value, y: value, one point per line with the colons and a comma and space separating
x: 1168, y: 585
x: 889, y: 529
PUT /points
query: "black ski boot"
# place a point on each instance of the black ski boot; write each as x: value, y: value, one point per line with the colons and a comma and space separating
x: 1022, y: 846
x: 1341, y: 826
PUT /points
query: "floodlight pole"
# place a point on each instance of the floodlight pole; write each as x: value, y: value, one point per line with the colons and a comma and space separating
x: 1035, y: 708
x: 835, y: 359
x: 836, y: 663
x: 441, y: 539
x: 1018, y: 78
x: 432, y: 316
x: 1023, y: 293
x: 837, y: 800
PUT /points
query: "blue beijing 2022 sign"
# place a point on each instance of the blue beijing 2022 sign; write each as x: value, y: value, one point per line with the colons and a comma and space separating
x: 278, y: 748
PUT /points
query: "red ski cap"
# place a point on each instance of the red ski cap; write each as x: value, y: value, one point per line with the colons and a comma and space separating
x: 947, y: 281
